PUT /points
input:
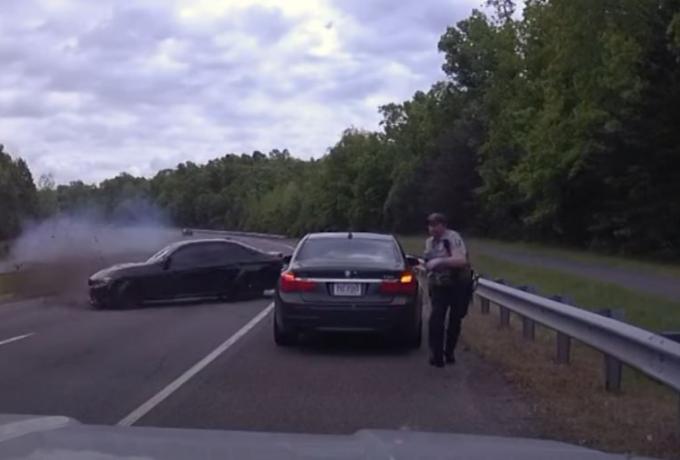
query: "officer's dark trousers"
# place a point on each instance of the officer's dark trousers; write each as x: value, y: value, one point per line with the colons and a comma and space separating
x: 452, y: 299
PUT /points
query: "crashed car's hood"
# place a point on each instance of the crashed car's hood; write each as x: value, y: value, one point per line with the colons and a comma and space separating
x: 54, y: 437
x: 118, y: 268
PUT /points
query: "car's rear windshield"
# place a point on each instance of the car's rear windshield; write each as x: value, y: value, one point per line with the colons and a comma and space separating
x: 350, y: 250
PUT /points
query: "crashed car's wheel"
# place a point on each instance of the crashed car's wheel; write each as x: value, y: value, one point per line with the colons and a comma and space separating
x: 101, y: 304
x: 283, y: 337
x: 246, y: 292
x: 125, y: 296
x: 255, y: 293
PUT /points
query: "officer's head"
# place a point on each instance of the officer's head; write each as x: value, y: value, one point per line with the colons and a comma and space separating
x: 436, y: 224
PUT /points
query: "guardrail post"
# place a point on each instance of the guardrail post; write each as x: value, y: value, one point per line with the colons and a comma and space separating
x: 612, y: 374
x: 613, y: 368
x: 528, y: 326
x: 563, y: 355
x: 484, y: 306
x: 563, y: 341
x: 528, y: 329
x: 476, y: 300
x: 505, y: 316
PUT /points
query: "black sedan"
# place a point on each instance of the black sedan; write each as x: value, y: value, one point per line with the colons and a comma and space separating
x: 355, y: 282
x: 187, y: 269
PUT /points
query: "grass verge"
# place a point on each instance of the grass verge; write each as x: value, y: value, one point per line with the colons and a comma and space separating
x: 6, y: 283
x: 647, y: 311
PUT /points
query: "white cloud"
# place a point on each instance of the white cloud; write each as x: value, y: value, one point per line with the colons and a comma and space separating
x: 90, y: 89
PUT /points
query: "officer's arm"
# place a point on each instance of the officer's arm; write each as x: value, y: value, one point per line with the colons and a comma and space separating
x: 458, y: 257
x: 456, y: 260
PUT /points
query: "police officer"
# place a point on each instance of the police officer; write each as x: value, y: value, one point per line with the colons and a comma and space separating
x: 450, y: 287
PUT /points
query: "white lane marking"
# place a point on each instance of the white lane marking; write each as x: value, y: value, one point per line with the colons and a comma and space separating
x: 14, y: 339
x: 159, y: 397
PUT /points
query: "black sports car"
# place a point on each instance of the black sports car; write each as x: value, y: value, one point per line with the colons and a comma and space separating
x: 187, y: 269
x: 361, y: 282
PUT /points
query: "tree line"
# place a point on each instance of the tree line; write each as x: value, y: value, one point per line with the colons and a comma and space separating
x: 562, y: 125
x: 18, y: 195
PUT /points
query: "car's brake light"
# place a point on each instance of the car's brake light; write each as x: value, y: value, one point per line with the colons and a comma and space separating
x: 291, y: 283
x: 405, y: 285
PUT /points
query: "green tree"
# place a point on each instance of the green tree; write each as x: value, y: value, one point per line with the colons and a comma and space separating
x: 18, y: 195
x: 47, y: 196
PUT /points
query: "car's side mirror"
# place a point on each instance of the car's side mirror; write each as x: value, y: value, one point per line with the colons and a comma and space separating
x: 286, y: 259
x: 166, y: 263
x: 412, y: 261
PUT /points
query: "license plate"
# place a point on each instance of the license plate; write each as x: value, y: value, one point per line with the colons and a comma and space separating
x: 347, y: 289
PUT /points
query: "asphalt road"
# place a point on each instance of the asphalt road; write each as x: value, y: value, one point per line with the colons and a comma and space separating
x: 102, y: 366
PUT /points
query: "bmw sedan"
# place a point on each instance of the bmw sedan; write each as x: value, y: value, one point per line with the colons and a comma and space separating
x: 354, y: 282
x: 187, y: 269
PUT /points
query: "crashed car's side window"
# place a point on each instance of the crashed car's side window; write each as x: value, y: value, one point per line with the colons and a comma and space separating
x: 189, y: 256
x: 234, y: 252
x: 208, y: 254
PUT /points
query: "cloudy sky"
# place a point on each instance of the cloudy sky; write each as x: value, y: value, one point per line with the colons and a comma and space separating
x: 92, y: 88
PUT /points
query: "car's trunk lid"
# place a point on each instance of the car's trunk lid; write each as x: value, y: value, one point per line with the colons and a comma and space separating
x: 347, y: 285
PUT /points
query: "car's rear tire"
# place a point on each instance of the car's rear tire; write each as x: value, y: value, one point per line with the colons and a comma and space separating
x: 283, y: 337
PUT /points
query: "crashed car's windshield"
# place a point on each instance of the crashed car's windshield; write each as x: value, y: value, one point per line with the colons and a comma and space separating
x: 160, y: 255
x: 431, y: 228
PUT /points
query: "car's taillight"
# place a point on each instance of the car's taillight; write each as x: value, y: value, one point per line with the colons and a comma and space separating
x: 291, y: 283
x: 404, y: 285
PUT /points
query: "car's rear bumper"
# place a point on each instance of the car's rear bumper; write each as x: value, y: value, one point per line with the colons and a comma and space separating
x: 351, y: 318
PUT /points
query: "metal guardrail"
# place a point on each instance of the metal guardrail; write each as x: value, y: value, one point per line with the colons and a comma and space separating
x: 652, y: 354
x: 237, y: 233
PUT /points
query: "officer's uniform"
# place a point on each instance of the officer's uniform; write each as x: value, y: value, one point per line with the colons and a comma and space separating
x: 450, y: 290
